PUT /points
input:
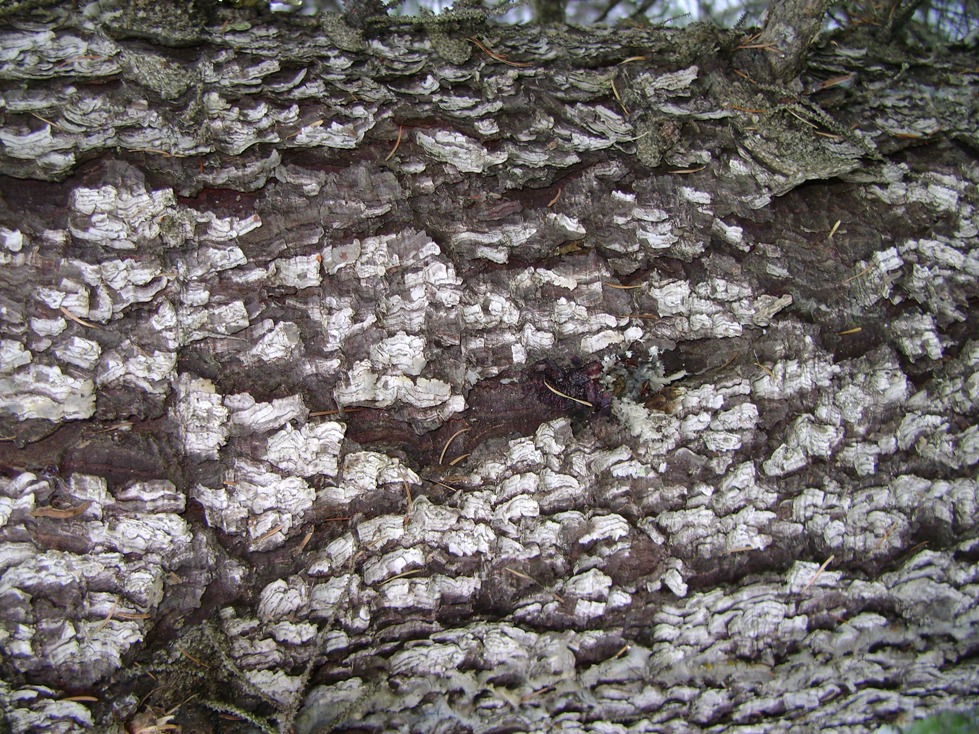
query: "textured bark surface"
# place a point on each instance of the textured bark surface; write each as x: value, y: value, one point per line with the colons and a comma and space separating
x: 285, y: 308
x: 790, y: 27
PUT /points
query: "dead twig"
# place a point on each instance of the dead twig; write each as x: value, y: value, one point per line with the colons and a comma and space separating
x: 833, y: 81
x: 315, y: 123
x: 751, y: 110
x: 136, y: 616
x: 337, y: 411
x: 57, y: 514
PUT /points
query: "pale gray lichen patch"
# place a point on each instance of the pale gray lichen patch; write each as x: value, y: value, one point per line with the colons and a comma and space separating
x: 277, y: 342
x: 201, y: 416
x: 174, y: 25
x: 34, y: 706
x: 261, y: 505
x: 139, y: 544
x: 337, y: 134
x: 365, y: 387
x: 365, y: 472
x: 39, y: 391
x: 446, y: 42
x: 155, y: 73
x: 118, y: 218
x: 39, y: 145
x: 345, y: 36
x: 311, y: 450
x: 464, y: 153
x: 128, y: 366
x: 249, y: 416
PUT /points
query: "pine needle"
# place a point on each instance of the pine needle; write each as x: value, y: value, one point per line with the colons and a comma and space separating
x: 77, y: 320
x: 479, y: 44
x: 449, y: 442
x: 819, y: 572
x: 397, y: 144
x: 558, y: 392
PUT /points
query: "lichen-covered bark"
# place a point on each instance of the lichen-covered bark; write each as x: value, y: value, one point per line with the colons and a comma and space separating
x: 280, y: 319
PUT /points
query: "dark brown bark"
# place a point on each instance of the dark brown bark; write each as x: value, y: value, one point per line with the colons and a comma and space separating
x: 260, y: 275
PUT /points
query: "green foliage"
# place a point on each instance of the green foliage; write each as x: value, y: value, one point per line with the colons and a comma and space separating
x: 947, y: 722
x: 10, y: 7
x: 929, y: 20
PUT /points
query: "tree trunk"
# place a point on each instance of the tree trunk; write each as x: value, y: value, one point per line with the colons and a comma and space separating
x: 440, y: 376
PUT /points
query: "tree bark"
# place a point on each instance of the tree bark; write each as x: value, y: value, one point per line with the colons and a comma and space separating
x: 450, y: 377
x: 790, y: 28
